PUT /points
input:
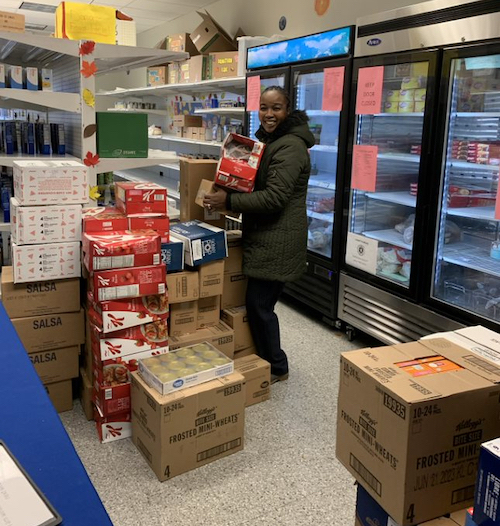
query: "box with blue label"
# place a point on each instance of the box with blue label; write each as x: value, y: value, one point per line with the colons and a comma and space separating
x: 202, y: 242
x: 172, y: 254
x: 15, y: 77
x: 487, y: 496
x: 469, y: 521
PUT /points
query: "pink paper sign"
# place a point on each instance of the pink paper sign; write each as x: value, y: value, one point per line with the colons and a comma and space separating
x: 253, y: 93
x: 497, y: 207
x: 333, y: 88
x: 364, y: 168
x: 369, y: 96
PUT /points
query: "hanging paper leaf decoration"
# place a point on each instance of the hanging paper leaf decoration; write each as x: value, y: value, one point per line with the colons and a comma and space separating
x: 87, y: 48
x: 89, y: 131
x: 91, y: 159
x: 94, y: 193
x: 89, y: 69
x: 88, y: 97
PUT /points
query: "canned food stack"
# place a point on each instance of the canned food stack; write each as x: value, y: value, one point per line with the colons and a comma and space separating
x: 41, y: 291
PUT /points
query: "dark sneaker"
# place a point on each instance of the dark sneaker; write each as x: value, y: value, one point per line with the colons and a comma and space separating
x: 278, y: 378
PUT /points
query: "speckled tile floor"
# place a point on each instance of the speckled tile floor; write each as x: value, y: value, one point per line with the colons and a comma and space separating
x: 286, y: 475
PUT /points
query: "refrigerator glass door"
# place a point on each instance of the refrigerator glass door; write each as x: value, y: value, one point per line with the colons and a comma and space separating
x: 308, y: 96
x: 467, y: 251
x: 385, y: 169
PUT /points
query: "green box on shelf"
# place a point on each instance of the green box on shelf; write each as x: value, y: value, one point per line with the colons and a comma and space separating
x: 122, y: 134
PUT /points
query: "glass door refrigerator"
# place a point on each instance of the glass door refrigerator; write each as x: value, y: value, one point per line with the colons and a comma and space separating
x: 316, y: 70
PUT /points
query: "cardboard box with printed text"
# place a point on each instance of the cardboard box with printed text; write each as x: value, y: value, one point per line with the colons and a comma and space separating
x: 257, y: 373
x: 220, y: 336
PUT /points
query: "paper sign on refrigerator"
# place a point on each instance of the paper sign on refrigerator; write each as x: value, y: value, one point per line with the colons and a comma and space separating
x: 333, y: 88
x: 361, y: 252
x: 253, y: 93
x: 364, y: 168
x: 369, y: 95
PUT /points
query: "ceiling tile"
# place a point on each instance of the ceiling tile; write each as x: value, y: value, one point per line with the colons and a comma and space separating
x: 157, y: 7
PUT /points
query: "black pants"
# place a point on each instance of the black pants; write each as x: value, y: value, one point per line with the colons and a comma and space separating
x: 262, y: 296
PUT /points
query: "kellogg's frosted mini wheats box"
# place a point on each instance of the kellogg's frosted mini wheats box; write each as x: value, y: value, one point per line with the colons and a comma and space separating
x: 202, y: 242
x: 239, y: 162
x: 141, y: 199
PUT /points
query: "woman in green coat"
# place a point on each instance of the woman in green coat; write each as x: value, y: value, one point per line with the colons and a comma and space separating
x: 274, y: 220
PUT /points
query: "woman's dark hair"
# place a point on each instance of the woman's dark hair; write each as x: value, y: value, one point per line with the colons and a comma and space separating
x: 283, y: 92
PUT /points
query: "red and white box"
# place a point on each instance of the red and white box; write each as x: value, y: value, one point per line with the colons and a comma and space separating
x: 161, y: 225
x: 121, y: 250
x: 50, y: 182
x: 112, y: 399
x: 104, y: 219
x: 46, y: 262
x: 45, y: 224
x: 239, y: 162
x: 141, y: 199
x: 113, y: 427
x: 150, y: 336
x: 112, y: 316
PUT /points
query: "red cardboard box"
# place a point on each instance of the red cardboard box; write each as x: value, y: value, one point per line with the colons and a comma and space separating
x: 141, y: 199
x: 239, y: 162
x: 121, y: 250
x: 161, y: 225
x: 104, y: 219
x: 112, y: 399
x: 116, y: 315
x: 113, y: 427
x: 129, y: 282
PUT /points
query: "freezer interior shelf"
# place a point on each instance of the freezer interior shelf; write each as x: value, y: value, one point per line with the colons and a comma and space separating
x: 397, y: 114
x: 322, y: 113
x: 399, y: 198
x: 323, y: 180
x: 390, y: 236
x: 324, y: 148
x: 471, y: 256
x: 485, y: 212
x: 327, y: 217
x: 405, y: 157
x: 398, y: 278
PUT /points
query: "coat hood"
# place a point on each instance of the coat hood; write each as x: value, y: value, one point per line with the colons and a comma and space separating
x: 295, y: 123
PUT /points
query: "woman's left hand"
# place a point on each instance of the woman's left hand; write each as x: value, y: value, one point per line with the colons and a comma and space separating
x: 216, y: 200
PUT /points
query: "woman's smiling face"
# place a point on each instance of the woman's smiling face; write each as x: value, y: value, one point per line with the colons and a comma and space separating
x: 273, y: 110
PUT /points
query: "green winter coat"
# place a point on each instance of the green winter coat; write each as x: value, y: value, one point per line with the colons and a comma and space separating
x: 274, y: 214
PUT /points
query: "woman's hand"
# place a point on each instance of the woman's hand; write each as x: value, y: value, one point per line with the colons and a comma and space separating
x: 216, y: 200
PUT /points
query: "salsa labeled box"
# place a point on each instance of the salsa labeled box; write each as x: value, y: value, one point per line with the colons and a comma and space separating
x: 202, y: 242
x: 121, y: 250
x: 141, y: 199
x: 239, y: 162
x: 104, y: 219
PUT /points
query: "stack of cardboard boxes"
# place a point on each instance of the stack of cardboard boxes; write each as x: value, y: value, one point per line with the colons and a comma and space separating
x: 41, y: 291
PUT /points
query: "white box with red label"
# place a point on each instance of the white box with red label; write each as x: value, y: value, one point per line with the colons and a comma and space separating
x: 161, y: 225
x: 112, y: 316
x: 45, y: 224
x: 113, y: 427
x: 50, y: 182
x: 46, y: 262
x: 129, y: 282
x: 108, y: 250
x: 104, y: 219
x: 141, y: 199
x: 239, y: 162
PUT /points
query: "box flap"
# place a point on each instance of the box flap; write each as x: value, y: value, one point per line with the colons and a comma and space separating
x: 483, y: 336
x: 209, y: 20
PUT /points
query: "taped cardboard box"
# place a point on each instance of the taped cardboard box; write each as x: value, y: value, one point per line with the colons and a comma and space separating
x: 183, y: 318
x: 235, y: 290
x: 234, y: 260
x: 189, y: 428
x: 54, y: 331
x: 224, y: 64
x: 245, y: 352
x: 237, y: 319
x: 257, y: 373
x: 207, y: 187
x: 157, y: 76
x: 411, y: 419
x: 56, y: 365
x: 180, y: 42
x: 39, y: 298
x: 208, y: 312
x: 209, y: 36
x: 220, y: 336
x: 61, y: 395
x: 211, y: 279
x: 194, y: 69
x: 486, y: 496
x: 183, y: 286
x: 11, y: 22
x: 187, y: 121
x: 86, y: 392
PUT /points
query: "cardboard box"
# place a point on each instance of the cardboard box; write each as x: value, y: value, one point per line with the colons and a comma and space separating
x: 183, y: 286
x: 181, y: 42
x: 103, y: 219
x: 239, y: 173
x: 46, y: 79
x: 157, y: 76
x: 411, y: 418
x: 236, y: 318
x: 234, y: 260
x: 39, y: 298
x: 161, y: 225
x: 45, y: 262
x: 203, y: 243
x: 50, y: 182
x: 235, y: 290
x: 121, y: 250
x: 220, y: 336
x: 12, y: 22
x: 249, y: 351
x: 194, y: 69
x: 56, y: 365
x: 113, y: 427
x: 224, y: 64
x: 110, y: 316
x: 15, y: 77
x: 209, y: 36
x: 61, y: 395
x: 257, y: 373
x: 185, y: 121
x: 45, y: 224
x: 122, y: 135
x: 486, y: 499
x: 112, y: 400
x: 188, y: 428
x: 173, y: 73
x: 86, y: 394
x: 211, y: 278
x: 206, y: 187
x: 55, y: 331
x: 31, y: 79
x: 172, y: 254
x: 86, y: 22
x: 128, y: 283
x: 141, y: 199
x: 183, y: 318
x: 208, y: 312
